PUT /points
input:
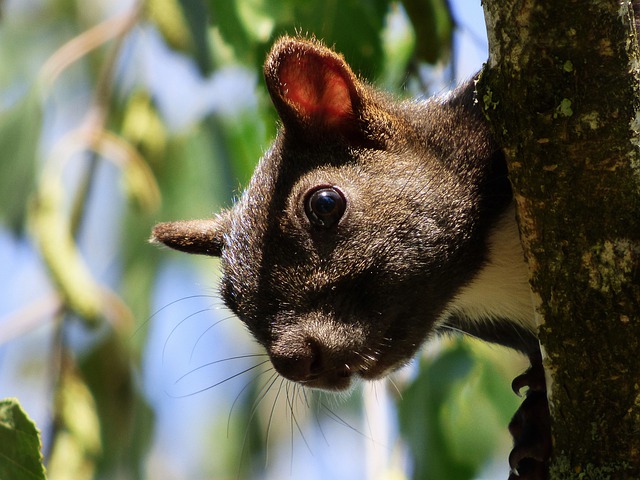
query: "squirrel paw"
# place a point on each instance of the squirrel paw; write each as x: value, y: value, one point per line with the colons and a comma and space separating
x: 531, y: 427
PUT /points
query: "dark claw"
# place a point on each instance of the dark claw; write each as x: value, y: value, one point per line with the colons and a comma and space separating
x: 533, y: 378
x: 531, y: 427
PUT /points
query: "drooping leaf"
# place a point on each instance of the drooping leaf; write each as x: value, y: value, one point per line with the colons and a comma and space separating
x: 433, y: 26
x: 184, y: 24
x: 77, y: 446
x: 143, y: 128
x: 19, y: 129
x: 20, y: 455
x: 108, y: 375
x: 168, y: 18
x: 197, y: 18
x: 398, y: 40
x: 53, y: 232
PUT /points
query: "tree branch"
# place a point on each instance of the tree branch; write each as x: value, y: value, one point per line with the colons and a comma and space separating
x: 561, y: 92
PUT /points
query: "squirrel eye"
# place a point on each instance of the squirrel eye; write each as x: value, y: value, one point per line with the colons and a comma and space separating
x: 325, y: 206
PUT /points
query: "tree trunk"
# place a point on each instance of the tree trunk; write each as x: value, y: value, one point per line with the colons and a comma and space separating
x: 561, y: 92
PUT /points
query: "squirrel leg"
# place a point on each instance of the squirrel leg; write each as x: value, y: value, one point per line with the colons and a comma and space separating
x: 531, y: 426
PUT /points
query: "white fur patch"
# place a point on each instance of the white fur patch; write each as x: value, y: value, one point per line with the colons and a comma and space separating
x: 501, y: 289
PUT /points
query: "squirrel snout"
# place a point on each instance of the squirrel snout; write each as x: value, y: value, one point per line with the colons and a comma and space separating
x: 309, y: 363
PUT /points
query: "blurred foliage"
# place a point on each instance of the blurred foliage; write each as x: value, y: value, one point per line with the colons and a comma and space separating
x: 101, y: 425
x: 454, y: 413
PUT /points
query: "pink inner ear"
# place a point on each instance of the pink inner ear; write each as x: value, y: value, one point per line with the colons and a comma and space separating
x: 316, y: 87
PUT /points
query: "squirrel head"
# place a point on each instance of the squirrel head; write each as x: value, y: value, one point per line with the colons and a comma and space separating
x: 359, y: 223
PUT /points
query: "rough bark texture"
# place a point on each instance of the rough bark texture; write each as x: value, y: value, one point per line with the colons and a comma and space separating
x: 561, y: 91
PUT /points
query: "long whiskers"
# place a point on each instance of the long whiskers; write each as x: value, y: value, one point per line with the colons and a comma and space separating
x: 338, y: 419
x: 235, y: 375
x: 262, y: 392
x: 291, y: 402
x: 193, y: 349
x: 457, y: 330
x: 273, y: 408
x: 170, y: 304
x: 191, y: 315
x: 222, y: 360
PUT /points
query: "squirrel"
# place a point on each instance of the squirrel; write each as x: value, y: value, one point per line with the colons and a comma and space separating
x: 370, y: 226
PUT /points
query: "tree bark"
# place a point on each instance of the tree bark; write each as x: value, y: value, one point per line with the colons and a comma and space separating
x: 561, y: 92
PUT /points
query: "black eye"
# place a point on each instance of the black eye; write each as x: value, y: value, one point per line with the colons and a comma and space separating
x: 325, y: 206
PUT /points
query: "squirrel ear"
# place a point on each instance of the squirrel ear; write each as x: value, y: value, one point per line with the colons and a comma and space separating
x: 203, y: 237
x: 312, y: 87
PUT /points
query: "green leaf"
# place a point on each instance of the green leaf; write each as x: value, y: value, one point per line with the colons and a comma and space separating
x: 19, y: 131
x: 251, y: 26
x: 76, y: 444
x: 108, y: 375
x: 246, y: 139
x: 228, y: 25
x: 398, y: 39
x: 170, y: 22
x: 20, y: 455
x: 184, y: 24
x: 433, y: 25
x: 470, y: 421
x: 335, y: 23
x: 196, y: 15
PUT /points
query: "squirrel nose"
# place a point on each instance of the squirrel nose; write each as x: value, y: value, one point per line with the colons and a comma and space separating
x: 309, y: 364
x: 299, y: 363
